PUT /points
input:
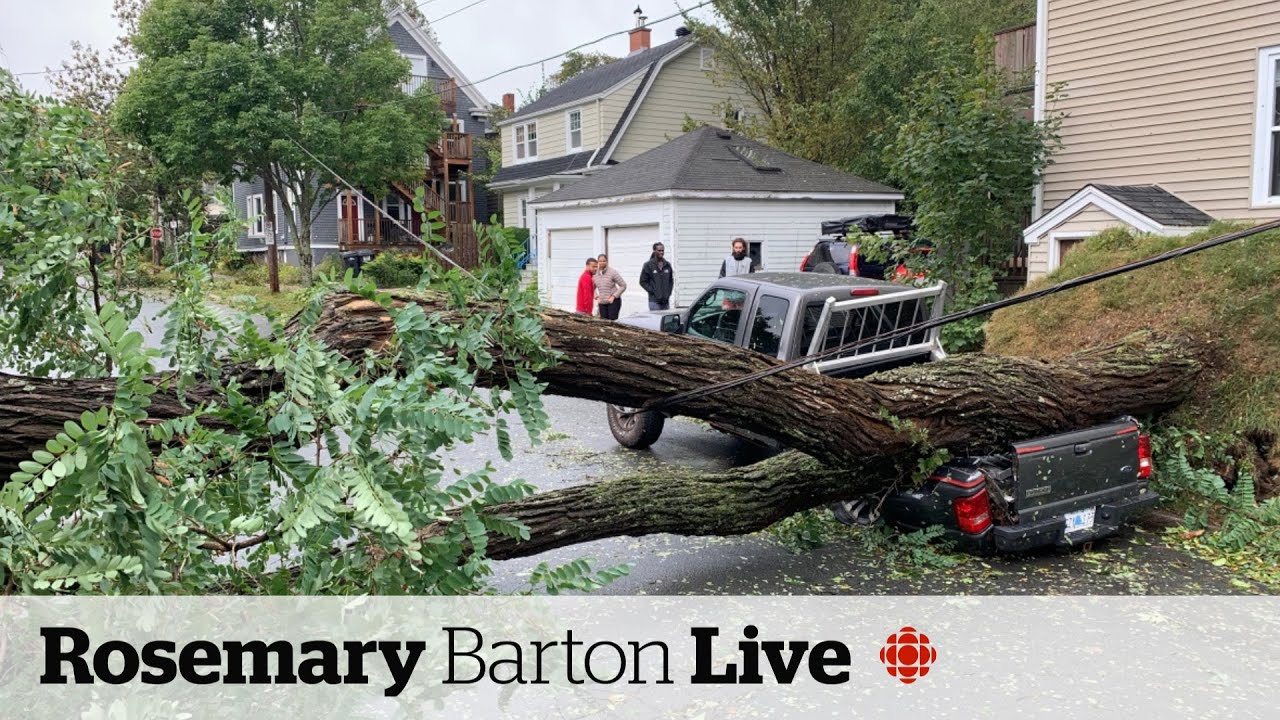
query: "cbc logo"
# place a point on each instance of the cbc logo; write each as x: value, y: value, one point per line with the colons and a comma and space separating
x: 907, y: 655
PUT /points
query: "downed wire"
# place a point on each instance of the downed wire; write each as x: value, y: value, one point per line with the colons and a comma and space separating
x: 715, y: 388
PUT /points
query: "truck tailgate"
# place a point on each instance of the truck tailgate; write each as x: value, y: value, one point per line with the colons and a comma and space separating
x: 1074, y: 471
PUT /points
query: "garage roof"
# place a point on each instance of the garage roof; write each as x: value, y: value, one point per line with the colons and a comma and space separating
x: 713, y: 159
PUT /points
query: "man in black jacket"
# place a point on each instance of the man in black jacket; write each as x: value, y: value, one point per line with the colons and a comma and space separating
x: 657, y: 279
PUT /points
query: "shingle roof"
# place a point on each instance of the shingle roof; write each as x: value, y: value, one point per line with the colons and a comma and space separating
x: 542, y: 168
x: 1158, y: 204
x: 712, y: 159
x: 597, y: 80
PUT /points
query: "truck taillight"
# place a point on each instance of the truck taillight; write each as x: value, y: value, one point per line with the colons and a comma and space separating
x: 853, y: 260
x: 804, y: 264
x: 1144, y: 456
x: 973, y: 513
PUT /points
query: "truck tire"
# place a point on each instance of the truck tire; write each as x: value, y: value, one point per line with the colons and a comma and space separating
x: 856, y: 513
x: 826, y: 268
x: 637, y: 431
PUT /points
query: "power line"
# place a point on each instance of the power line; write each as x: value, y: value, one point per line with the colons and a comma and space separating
x: 73, y: 68
x: 455, y: 12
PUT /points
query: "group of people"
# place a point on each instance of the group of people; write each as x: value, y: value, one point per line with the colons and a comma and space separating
x: 600, y: 286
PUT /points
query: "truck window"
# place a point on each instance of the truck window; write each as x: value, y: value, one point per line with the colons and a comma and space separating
x: 716, y: 315
x: 766, y: 326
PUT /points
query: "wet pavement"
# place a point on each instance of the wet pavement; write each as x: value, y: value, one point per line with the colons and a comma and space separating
x: 580, y: 449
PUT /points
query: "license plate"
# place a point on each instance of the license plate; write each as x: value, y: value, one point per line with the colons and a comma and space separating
x: 1080, y: 520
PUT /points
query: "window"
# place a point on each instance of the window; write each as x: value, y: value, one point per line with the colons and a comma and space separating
x: 1266, y: 156
x: 527, y: 141
x: 396, y: 207
x: 255, y: 215
x: 707, y: 58
x: 766, y: 326
x: 524, y: 212
x: 573, y: 120
x: 717, y: 314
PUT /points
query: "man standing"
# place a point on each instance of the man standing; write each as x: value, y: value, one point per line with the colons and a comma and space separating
x: 657, y: 279
x: 738, y: 262
x: 609, y: 289
x: 587, y: 288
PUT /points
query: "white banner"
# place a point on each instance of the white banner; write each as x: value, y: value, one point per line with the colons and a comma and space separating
x: 566, y: 658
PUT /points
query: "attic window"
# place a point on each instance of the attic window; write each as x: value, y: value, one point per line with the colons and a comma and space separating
x: 755, y: 157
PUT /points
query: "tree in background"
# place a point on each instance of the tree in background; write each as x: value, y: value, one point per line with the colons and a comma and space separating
x: 575, y: 63
x: 832, y: 77
x: 233, y: 89
x: 971, y: 160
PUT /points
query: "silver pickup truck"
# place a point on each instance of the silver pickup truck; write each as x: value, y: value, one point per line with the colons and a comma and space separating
x: 1059, y: 490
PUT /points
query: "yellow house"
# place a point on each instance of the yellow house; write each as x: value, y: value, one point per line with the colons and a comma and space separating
x: 1172, y: 117
x: 609, y: 114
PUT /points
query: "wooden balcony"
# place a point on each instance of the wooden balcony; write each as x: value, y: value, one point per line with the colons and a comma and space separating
x: 372, y: 234
x: 453, y: 148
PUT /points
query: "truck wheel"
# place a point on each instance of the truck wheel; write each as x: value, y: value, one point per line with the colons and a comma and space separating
x: 637, y: 431
x: 858, y: 513
x: 826, y: 268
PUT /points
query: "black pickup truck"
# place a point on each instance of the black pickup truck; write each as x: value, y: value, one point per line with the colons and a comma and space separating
x: 1063, y: 489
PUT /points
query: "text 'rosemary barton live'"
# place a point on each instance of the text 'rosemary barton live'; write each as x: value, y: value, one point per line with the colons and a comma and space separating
x: 71, y: 657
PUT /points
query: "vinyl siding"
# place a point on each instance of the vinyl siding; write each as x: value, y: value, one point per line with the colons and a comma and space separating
x: 598, y: 118
x: 1092, y: 219
x: 1158, y: 91
x: 680, y: 89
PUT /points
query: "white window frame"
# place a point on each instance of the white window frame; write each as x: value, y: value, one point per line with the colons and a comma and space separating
x: 524, y: 212
x: 255, y: 216
x: 568, y: 129
x: 1055, y: 244
x: 523, y: 143
x: 707, y: 58
x: 404, y: 209
x: 422, y: 79
x: 1264, y: 129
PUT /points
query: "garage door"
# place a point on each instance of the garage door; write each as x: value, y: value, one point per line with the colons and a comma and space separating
x: 629, y: 249
x: 568, y: 251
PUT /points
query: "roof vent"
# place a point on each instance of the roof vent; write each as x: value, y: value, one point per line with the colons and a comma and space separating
x: 724, y: 135
x: 683, y: 31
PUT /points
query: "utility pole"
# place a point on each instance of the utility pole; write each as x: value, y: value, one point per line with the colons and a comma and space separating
x: 269, y: 227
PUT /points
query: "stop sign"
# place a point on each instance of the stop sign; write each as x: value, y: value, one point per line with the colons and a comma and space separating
x: 156, y: 233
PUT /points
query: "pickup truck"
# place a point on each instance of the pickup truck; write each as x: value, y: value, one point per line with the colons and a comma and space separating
x: 1065, y: 489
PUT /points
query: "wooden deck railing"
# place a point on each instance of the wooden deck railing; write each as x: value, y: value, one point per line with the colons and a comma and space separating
x: 455, y: 146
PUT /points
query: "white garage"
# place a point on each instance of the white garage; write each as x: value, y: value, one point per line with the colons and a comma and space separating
x: 695, y: 194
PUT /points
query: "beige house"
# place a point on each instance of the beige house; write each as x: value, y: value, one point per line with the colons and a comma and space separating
x: 607, y: 115
x: 1172, y: 117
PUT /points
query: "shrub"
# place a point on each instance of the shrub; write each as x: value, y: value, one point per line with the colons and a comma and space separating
x: 393, y: 269
x: 331, y: 265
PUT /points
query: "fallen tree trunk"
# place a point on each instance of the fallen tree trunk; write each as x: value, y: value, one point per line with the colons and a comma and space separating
x: 963, y: 403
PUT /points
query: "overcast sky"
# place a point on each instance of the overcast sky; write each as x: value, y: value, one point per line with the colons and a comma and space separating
x: 482, y: 40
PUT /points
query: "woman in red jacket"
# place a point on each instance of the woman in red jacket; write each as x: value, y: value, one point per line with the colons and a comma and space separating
x: 587, y: 288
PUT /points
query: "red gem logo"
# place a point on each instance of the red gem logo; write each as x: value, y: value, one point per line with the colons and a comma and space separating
x: 907, y: 655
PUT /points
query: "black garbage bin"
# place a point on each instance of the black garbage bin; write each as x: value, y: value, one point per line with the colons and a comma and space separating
x: 356, y: 259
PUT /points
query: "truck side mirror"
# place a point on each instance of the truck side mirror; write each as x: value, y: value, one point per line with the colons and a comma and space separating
x: 671, y: 324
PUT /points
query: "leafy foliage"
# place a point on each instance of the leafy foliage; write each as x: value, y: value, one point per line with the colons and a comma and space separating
x: 575, y: 63
x: 394, y: 270
x: 971, y: 158
x: 58, y: 216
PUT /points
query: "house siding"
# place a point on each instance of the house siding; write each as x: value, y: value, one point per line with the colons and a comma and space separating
x: 1160, y: 92
x: 324, y: 226
x: 681, y: 88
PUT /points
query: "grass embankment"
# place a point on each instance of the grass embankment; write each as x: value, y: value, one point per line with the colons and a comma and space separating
x: 1227, y: 297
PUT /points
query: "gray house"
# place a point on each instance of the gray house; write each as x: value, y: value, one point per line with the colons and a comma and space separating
x: 348, y: 223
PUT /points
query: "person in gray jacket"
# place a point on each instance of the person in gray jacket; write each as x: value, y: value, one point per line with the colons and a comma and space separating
x: 609, y: 288
x: 658, y: 279
x: 738, y: 262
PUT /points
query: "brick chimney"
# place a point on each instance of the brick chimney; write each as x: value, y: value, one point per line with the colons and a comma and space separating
x: 509, y: 102
x: 640, y: 35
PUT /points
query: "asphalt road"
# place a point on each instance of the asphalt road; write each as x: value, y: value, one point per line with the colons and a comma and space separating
x: 580, y: 449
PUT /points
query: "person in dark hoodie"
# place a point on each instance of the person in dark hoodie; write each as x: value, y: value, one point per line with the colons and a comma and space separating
x: 657, y: 279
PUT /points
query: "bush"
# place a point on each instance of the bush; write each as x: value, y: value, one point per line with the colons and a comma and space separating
x: 331, y: 265
x: 393, y: 269
x: 255, y: 273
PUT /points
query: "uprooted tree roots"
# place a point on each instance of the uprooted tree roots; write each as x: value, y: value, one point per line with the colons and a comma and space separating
x: 846, y: 437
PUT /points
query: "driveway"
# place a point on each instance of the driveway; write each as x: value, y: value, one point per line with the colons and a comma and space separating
x: 582, y: 450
